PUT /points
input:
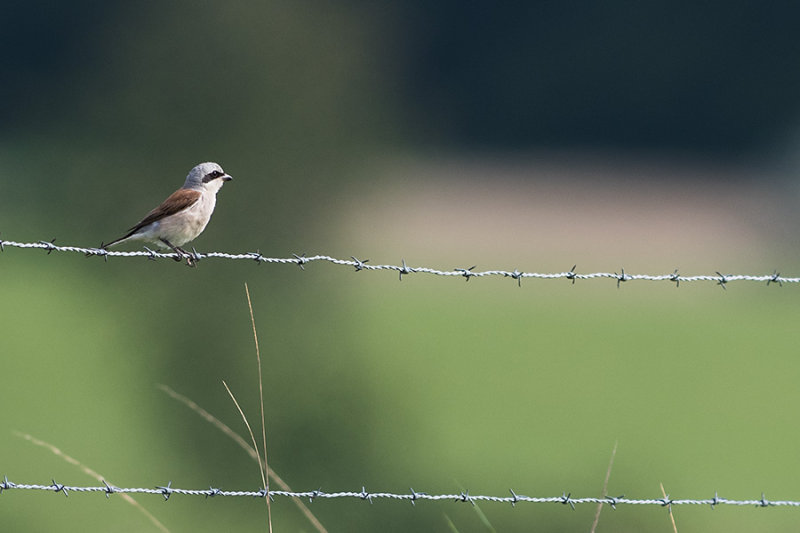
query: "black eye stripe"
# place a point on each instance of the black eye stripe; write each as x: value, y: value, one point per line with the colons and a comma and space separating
x: 214, y: 174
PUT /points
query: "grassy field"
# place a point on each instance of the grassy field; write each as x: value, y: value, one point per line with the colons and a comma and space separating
x: 429, y: 383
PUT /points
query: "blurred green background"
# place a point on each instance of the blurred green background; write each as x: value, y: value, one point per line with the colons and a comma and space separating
x: 531, y: 136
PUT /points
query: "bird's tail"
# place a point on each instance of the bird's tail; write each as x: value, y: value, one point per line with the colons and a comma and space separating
x: 115, y: 241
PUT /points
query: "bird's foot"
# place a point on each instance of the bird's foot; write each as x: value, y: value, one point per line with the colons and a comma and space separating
x: 192, y: 257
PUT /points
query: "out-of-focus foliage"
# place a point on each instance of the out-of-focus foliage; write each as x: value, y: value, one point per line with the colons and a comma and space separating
x: 316, y: 109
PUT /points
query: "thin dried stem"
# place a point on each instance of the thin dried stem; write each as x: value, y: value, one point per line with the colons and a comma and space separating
x: 671, y: 516
x: 246, y: 447
x: 261, y: 402
x: 250, y: 430
x: 605, y: 488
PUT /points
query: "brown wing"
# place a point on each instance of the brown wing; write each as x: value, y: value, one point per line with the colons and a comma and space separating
x: 177, y: 201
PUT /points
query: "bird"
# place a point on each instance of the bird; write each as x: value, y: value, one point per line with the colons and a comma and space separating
x: 183, y: 216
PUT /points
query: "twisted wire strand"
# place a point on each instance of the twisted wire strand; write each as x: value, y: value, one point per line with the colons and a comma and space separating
x: 403, y: 269
x: 412, y: 496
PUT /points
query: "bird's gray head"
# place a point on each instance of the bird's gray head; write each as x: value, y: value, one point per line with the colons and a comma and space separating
x: 206, y: 177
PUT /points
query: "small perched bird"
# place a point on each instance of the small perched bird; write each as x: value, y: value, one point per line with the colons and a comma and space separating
x: 183, y: 215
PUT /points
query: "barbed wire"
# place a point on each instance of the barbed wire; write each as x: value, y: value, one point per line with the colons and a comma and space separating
x: 412, y: 496
x: 403, y: 269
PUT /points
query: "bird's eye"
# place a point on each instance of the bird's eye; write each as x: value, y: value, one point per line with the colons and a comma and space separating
x: 216, y: 173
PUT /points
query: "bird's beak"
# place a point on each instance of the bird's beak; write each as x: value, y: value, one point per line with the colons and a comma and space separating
x: 226, y: 178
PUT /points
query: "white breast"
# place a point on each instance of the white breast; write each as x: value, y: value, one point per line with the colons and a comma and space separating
x: 188, y: 224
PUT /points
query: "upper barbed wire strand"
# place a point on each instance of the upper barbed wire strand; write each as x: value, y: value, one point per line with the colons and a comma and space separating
x: 403, y: 269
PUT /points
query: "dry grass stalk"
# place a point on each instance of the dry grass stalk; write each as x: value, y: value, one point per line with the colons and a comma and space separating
x: 246, y: 447
x: 605, y: 488
x: 71, y: 460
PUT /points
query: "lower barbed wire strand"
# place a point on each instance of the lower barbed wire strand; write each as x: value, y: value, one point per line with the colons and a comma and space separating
x: 412, y: 496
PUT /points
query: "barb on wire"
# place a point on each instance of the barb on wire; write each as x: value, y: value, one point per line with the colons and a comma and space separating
x: 301, y: 260
x: 412, y: 496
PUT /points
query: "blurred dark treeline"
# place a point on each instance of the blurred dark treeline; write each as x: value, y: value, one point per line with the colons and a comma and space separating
x: 717, y: 78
